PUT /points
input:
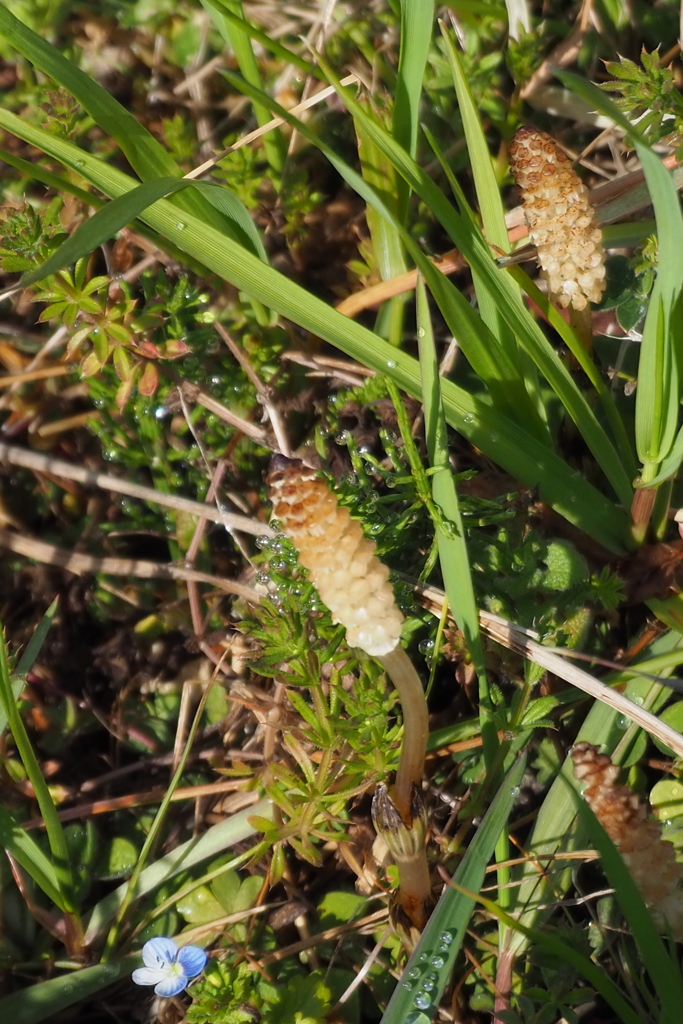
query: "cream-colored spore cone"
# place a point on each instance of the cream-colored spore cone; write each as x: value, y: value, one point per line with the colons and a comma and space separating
x: 562, y: 223
x: 341, y: 562
x: 625, y: 818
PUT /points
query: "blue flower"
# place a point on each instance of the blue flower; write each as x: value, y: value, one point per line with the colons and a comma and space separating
x: 168, y: 968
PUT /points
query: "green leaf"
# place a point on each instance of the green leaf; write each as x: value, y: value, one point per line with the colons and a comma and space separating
x: 122, y: 210
x: 53, y: 826
x: 210, y: 844
x: 23, y: 847
x: 28, y: 658
x: 453, y: 556
x: 497, y: 435
x: 46, y: 1000
x: 146, y: 156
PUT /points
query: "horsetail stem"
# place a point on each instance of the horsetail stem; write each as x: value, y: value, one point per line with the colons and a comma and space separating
x: 354, y: 585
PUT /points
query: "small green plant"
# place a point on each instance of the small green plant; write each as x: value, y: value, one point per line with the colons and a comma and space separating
x: 648, y: 93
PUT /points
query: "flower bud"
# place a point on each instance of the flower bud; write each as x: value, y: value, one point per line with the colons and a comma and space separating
x: 341, y: 562
x: 562, y: 224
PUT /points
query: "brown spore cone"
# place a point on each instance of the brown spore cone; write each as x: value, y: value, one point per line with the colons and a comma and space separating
x: 341, y: 561
x: 625, y: 818
x: 562, y: 223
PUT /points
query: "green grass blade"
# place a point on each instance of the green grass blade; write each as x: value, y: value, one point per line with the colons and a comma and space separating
x: 564, y: 952
x: 124, y: 209
x: 237, y: 33
x: 585, y: 361
x: 453, y: 556
x: 211, y: 843
x: 491, y: 363
x: 416, y: 33
x: 273, y: 46
x: 27, y: 659
x: 659, y: 369
x: 417, y: 17
x: 499, y: 437
x: 147, y: 157
x: 447, y: 926
x: 485, y: 184
x: 473, y: 247
x: 20, y: 845
x: 53, y: 825
x: 46, y: 1000
x: 57, y: 182
x: 385, y: 236
x: 659, y: 381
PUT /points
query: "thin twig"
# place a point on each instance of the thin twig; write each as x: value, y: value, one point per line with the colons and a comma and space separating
x: 40, y: 463
x: 77, y: 563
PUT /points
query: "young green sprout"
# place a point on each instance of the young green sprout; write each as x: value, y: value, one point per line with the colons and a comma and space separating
x: 354, y: 585
x: 562, y: 224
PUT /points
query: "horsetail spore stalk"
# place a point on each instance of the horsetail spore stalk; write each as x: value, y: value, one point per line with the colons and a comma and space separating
x: 354, y: 585
x: 562, y: 224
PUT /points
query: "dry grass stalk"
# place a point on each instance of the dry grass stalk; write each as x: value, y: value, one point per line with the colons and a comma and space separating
x: 625, y: 818
x: 562, y: 223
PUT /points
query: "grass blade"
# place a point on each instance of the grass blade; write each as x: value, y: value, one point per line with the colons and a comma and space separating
x: 446, y: 927
x: 237, y: 34
x: 125, y: 208
x: 147, y: 157
x: 27, y: 659
x: 664, y: 971
x: 53, y: 826
x: 46, y: 1000
x: 211, y: 843
x: 502, y: 439
x: 453, y: 556
x: 416, y: 35
x: 473, y: 247
x: 20, y: 845
x: 554, y: 829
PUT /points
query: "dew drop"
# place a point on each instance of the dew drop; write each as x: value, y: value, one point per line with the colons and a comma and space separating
x: 425, y: 646
x: 437, y: 961
x: 263, y: 542
x: 622, y: 722
x: 514, y: 792
x: 422, y: 957
x: 422, y: 1001
x: 446, y: 938
x: 263, y: 578
x: 180, y: 226
x: 342, y: 437
x: 391, y: 364
x: 469, y: 418
x: 413, y: 975
x: 80, y: 163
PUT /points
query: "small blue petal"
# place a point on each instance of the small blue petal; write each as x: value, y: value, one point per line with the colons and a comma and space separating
x: 159, y: 953
x: 192, y: 959
x: 148, y: 976
x: 172, y: 985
